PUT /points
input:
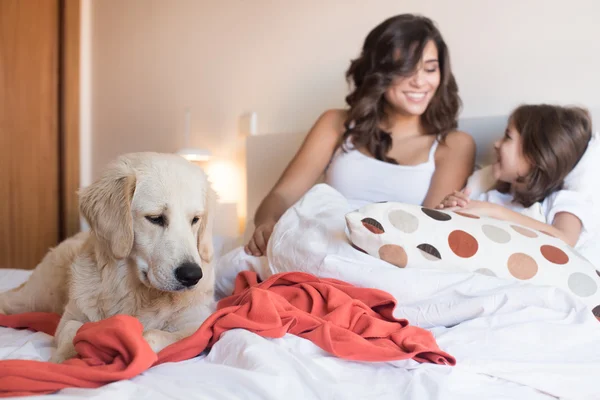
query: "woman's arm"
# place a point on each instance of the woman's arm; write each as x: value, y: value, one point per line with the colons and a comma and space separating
x: 454, y: 164
x: 300, y: 175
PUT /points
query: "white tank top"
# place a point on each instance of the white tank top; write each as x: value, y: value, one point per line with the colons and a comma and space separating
x: 364, y: 180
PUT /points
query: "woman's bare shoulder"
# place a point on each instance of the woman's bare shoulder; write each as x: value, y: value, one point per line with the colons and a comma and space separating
x: 332, y: 121
x: 458, y: 145
x: 458, y: 140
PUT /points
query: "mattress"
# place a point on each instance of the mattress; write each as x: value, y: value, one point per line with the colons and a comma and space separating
x: 243, y: 365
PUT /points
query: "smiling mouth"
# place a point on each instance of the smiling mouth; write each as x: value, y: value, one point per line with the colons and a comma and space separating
x: 415, y: 96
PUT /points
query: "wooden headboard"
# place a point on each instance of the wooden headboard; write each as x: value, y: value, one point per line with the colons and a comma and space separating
x: 267, y: 155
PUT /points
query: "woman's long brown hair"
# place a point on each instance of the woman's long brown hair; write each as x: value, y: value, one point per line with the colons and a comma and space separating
x: 394, y: 48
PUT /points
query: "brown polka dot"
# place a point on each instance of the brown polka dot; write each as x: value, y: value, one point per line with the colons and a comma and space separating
x: 435, y: 214
x: 373, y: 225
x: 393, y: 254
x: 596, y: 312
x: 524, y: 231
x: 522, y: 266
x: 554, y: 254
x: 597, y: 272
x: 358, y: 248
x: 429, y: 252
x: 467, y: 215
x: 462, y: 244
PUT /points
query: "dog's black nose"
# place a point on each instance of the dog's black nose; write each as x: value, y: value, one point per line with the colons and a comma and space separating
x: 188, y: 274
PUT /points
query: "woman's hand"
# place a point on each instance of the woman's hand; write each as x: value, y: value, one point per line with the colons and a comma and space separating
x: 300, y: 175
x: 257, y: 246
x: 456, y: 200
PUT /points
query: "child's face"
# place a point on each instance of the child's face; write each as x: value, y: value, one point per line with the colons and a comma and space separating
x: 511, y: 163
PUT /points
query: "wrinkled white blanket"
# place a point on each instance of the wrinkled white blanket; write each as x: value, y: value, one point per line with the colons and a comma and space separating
x: 537, y: 338
x: 511, y: 341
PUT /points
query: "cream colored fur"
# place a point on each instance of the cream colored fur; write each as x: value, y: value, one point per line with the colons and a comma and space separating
x: 126, y: 263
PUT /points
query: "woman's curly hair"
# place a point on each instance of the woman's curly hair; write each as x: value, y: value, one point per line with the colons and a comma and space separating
x: 394, y: 48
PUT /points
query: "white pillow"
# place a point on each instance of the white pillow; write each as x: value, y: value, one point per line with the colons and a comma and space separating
x: 481, y: 181
x: 411, y: 236
x: 584, y: 176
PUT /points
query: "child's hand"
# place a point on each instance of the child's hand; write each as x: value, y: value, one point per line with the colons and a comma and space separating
x: 456, y: 199
x: 482, y: 209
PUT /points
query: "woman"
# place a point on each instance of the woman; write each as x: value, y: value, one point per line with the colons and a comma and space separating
x: 397, y: 141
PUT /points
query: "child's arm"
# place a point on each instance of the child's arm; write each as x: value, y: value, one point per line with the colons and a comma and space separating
x: 569, y: 225
x: 565, y: 226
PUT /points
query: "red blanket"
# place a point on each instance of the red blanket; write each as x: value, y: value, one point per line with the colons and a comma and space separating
x: 348, y: 322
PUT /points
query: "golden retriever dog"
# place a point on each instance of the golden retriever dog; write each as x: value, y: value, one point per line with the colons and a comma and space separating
x: 148, y: 254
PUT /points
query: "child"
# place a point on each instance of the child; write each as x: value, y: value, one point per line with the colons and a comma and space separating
x: 541, y: 145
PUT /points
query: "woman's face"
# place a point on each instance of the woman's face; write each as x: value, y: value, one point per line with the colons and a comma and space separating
x: 411, y: 95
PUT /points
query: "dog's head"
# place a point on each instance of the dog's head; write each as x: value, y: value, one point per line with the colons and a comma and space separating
x: 156, y: 211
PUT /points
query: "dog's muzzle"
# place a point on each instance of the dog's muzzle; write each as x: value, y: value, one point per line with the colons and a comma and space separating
x: 188, y: 274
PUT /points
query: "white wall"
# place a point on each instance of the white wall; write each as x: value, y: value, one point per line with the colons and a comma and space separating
x: 286, y: 59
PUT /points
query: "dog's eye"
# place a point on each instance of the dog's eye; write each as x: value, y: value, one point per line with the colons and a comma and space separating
x: 195, y: 220
x: 156, y: 220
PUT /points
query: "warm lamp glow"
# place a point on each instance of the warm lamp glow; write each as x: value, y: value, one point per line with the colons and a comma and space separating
x: 226, y: 180
x: 193, y: 154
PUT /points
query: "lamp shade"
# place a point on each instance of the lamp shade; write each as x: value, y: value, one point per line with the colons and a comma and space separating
x: 194, y: 154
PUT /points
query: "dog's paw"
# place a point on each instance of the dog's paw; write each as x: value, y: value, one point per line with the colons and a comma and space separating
x: 157, y: 339
x: 57, y: 358
x: 63, y: 354
x: 2, y: 305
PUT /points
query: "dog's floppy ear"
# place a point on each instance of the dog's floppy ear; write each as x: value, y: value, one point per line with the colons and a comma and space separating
x: 205, y: 233
x: 106, y: 205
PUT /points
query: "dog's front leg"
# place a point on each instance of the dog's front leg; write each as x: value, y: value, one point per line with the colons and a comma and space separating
x: 158, y: 340
x: 179, y: 327
x: 70, y: 323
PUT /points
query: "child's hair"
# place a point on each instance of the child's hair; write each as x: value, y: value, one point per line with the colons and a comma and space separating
x: 554, y: 139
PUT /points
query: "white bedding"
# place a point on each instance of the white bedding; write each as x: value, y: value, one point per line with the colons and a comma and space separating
x: 511, y: 341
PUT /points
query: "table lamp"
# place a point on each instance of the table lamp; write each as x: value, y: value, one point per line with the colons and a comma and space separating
x: 188, y: 152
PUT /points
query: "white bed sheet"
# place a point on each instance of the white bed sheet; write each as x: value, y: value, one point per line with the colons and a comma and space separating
x: 538, y: 337
x: 502, y: 345
x: 243, y: 365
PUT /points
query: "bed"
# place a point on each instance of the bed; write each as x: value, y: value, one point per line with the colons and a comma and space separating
x: 510, y: 340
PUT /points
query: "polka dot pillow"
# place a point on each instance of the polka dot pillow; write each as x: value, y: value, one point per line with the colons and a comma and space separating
x: 416, y: 237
